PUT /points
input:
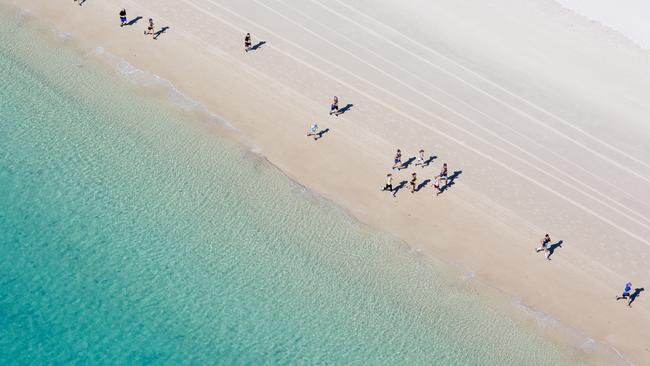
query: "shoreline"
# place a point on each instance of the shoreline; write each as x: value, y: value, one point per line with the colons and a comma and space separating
x: 522, y: 313
x: 438, y: 252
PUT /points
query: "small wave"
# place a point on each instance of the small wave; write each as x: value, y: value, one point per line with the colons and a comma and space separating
x: 540, y: 316
x: 151, y: 80
x: 588, y: 345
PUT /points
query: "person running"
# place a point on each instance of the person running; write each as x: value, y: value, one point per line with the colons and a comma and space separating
x: 546, y: 246
x: 413, y: 182
x: 389, y: 183
x: 313, y: 130
x: 150, y: 28
x: 398, y: 160
x: 420, y: 160
x: 122, y: 17
x: 334, y: 108
x: 443, y: 175
x: 544, y: 241
x: 247, y: 42
x: 626, y: 293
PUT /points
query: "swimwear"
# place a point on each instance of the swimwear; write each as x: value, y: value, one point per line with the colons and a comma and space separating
x: 123, y: 19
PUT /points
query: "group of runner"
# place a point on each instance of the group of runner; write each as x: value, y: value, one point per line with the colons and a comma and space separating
x: 420, y: 161
x: 124, y: 21
x: 546, y: 246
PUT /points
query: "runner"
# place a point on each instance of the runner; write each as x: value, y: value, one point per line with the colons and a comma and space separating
x: 546, y: 243
x: 312, y: 130
x: 247, y: 42
x: 626, y: 293
x: 398, y: 160
x: 413, y: 182
x: 334, y: 109
x: 150, y: 28
x: 439, y: 178
x: 122, y: 17
x: 420, y: 160
x: 389, y: 183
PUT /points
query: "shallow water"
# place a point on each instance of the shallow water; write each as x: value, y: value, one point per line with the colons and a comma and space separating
x: 132, y: 233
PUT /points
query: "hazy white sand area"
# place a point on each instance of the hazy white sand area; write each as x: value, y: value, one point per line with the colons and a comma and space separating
x: 630, y: 17
x: 540, y: 114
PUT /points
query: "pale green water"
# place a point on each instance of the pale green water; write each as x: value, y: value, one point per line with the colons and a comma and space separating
x: 132, y: 234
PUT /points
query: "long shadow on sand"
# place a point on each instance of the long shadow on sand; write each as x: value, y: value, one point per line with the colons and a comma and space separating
x: 429, y: 161
x: 321, y: 133
x: 134, y: 20
x: 407, y: 163
x: 637, y: 292
x: 344, y: 109
x: 450, y: 181
x: 161, y: 31
x: 401, y: 185
x: 422, y: 185
x: 257, y: 46
x: 553, y: 247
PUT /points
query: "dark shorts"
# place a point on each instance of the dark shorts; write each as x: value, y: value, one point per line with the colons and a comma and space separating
x: 335, y: 107
x: 123, y: 19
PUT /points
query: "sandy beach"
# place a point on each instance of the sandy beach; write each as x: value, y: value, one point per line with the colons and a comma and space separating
x: 539, y: 112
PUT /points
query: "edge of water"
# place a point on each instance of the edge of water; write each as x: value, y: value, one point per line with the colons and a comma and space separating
x: 586, y: 347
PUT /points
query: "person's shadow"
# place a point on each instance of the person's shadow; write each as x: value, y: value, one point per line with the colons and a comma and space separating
x: 422, y: 185
x: 344, y: 109
x: 258, y: 46
x: 429, y: 161
x: 81, y: 2
x: 637, y: 292
x: 321, y: 133
x: 134, y: 20
x: 161, y: 31
x: 407, y: 163
x: 551, y: 249
x: 401, y: 185
x: 450, y: 181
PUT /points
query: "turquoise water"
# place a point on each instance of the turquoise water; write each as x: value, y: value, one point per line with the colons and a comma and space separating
x: 133, y: 234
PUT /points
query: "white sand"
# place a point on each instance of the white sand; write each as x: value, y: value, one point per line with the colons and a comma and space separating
x: 543, y: 111
x: 630, y: 17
